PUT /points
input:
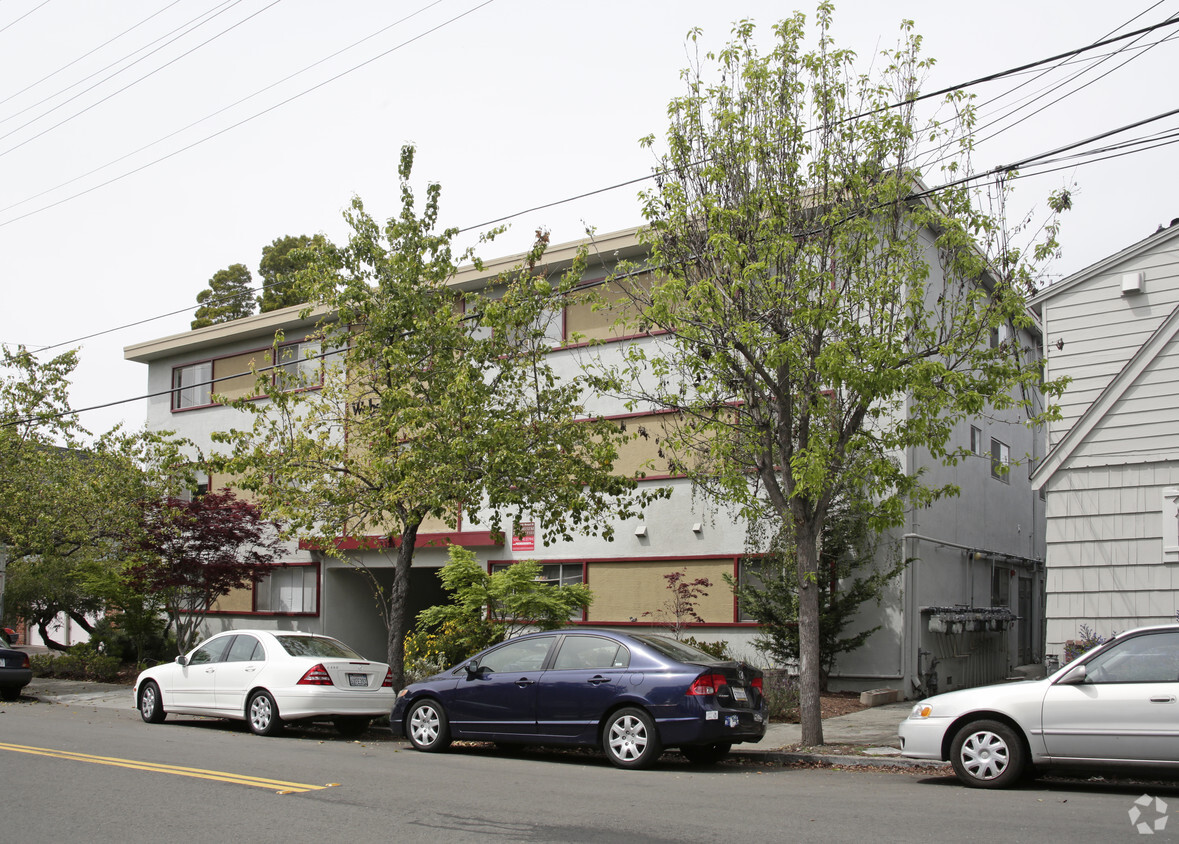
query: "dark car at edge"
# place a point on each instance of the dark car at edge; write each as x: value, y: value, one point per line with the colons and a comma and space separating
x: 631, y: 694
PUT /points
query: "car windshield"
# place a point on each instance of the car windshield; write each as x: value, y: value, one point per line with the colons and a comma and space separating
x: 318, y: 646
x: 675, y: 650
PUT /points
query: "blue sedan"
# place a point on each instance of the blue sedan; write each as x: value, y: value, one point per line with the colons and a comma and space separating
x: 632, y: 694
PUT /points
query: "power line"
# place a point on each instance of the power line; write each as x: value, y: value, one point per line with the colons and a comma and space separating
x: 250, y: 118
x: 219, y: 111
x: 9, y: 26
x: 1042, y: 158
x: 131, y: 84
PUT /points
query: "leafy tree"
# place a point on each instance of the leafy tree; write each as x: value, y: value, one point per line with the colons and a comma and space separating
x: 819, y: 313
x: 226, y: 298
x: 512, y: 599
x: 850, y: 574
x: 281, y: 262
x: 67, y: 501
x: 193, y: 552
x: 435, y: 403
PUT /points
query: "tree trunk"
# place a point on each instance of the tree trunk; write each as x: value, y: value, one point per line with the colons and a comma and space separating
x: 398, y: 600
x: 809, y: 657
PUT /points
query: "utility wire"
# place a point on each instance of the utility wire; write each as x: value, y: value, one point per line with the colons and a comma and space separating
x: 131, y: 84
x: 9, y: 26
x: 211, y: 115
x: 1002, y: 169
x: 249, y: 119
x: 87, y: 54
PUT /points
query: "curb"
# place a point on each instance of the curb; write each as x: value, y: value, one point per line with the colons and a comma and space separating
x: 837, y: 760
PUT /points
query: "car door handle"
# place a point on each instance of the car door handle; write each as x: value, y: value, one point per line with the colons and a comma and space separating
x: 1163, y: 699
x: 524, y: 681
x: 598, y: 680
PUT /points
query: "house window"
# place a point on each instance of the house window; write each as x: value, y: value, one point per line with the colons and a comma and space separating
x: 192, y: 385
x: 976, y: 440
x: 556, y: 574
x: 290, y: 589
x: 750, y: 572
x: 299, y: 365
x: 200, y: 480
x: 1000, y: 461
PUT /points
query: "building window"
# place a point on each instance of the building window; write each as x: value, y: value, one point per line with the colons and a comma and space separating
x: 1000, y: 461
x: 290, y: 589
x: 750, y: 572
x: 976, y: 440
x: 192, y: 385
x: 299, y: 366
x: 556, y: 574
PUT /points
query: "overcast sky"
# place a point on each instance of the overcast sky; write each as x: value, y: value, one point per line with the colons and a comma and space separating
x: 121, y: 195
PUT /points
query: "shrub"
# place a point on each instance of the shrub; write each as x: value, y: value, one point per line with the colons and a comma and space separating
x: 431, y: 650
x: 80, y: 662
x: 1088, y: 640
x: 781, y: 693
x: 720, y: 650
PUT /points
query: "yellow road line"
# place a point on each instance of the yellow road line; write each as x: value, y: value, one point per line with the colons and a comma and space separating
x: 283, y: 786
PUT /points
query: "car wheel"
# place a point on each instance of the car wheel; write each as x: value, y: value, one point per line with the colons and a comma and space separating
x: 988, y: 754
x: 351, y: 725
x: 262, y: 713
x: 426, y: 726
x: 630, y: 739
x: 151, y: 708
x: 706, y: 754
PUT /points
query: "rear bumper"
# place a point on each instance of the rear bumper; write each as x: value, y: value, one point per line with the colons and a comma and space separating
x: 713, y: 727
x: 318, y: 702
x: 15, y: 677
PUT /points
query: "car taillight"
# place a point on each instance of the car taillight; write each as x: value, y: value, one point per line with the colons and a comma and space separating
x: 316, y: 676
x: 388, y: 684
x: 756, y: 683
x: 707, y: 684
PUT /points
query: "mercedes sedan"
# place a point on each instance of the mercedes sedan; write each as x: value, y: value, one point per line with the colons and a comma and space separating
x: 631, y: 694
x: 1115, y: 707
x: 269, y: 679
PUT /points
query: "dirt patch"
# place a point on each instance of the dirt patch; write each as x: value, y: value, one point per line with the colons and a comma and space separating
x: 833, y: 705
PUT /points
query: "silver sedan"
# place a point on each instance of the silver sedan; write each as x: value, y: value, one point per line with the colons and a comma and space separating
x: 1116, y: 706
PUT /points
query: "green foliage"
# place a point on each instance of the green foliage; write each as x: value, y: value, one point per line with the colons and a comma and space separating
x: 720, y: 650
x: 819, y: 313
x: 512, y: 600
x: 435, y: 402
x: 281, y: 263
x: 226, y: 298
x: 82, y: 662
x: 68, y: 501
x: 135, y: 637
x: 850, y: 576
x: 430, y: 650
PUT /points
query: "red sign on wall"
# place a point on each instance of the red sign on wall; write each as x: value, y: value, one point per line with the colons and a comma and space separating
x: 527, y: 542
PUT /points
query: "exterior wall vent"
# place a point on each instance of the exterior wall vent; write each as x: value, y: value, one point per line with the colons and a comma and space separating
x: 1133, y: 283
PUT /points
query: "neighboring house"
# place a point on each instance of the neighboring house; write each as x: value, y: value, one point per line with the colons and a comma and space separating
x: 1112, y: 470
x: 971, y: 600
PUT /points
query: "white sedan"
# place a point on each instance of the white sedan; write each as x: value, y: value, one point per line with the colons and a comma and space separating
x: 268, y: 679
x: 1116, y: 706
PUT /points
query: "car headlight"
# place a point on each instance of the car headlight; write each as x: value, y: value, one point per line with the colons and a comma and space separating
x: 401, y: 693
x: 921, y: 710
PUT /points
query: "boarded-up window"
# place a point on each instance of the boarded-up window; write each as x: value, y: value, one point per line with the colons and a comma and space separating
x: 587, y: 321
x: 625, y: 590
x: 232, y: 376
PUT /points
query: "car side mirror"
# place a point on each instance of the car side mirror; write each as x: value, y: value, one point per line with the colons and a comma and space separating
x: 1075, y: 677
x: 182, y: 660
x: 475, y: 671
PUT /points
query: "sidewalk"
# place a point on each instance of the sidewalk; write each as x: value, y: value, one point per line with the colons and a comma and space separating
x: 867, y: 737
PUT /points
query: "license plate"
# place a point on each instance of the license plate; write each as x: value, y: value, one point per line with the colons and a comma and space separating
x: 357, y: 679
x: 739, y: 694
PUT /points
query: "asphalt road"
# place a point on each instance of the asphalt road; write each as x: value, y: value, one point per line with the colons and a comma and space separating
x: 101, y: 775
